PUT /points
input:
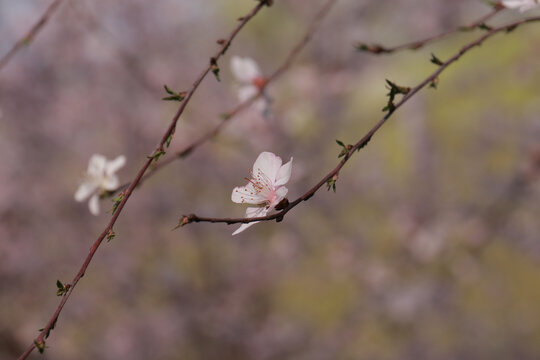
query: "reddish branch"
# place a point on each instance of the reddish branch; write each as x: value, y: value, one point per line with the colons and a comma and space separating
x: 187, y: 150
x: 40, y: 340
x: 31, y: 34
x: 351, y: 149
x: 379, y: 49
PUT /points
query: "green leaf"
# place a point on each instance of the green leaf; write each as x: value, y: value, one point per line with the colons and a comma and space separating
x: 169, y: 91
x: 62, y: 289
x: 175, y: 96
x: 110, y: 235
x: 373, y: 48
x: 40, y: 346
x: 157, y: 154
x: 364, y: 143
x: 484, y: 26
x: 117, y: 200
x: 435, y: 60
x: 214, y: 68
x: 331, y: 183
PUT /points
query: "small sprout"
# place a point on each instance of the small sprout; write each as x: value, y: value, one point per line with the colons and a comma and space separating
x: 40, y: 345
x: 267, y: 2
x: 52, y: 326
x: 345, y: 148
x: 214, y: 67
x: 169, y: 139
x: 362, y: 145
x: 62, y: 289
x: 184, y: 220
x: 157, y: 154
x: 168, y: 90
x: 110, y: 235
x: 174, y: 96
x: 433, y: 84
x: 221, y: 41
x: 371, y: 48
x: 484, y: 26
x: 390, y: 107
x: 394, y: 90
x: 331, y: 183
x: 435, y: 60
x: 117, y: 200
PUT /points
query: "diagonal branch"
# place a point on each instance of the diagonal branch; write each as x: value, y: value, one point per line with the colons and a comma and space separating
x: 187, y: 150
x: 415, y: 45
x: 31, y: 34
x: 351, y: 149
x: 39, y: 342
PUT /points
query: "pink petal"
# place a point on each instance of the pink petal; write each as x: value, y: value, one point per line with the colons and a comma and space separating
x: 269, y: 164
x: 284, y: 174
x: 246, y: 195
x: 244, y: 69
x: 251, y: 213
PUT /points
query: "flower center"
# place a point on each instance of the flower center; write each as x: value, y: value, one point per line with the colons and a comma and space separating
x: 259, y: 82
x: 262, y: 185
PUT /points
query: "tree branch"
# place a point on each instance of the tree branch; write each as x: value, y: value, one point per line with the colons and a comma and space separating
x: 187, y: 150
x: 351, y: 149
x: 39, y: 342
x: 31, y: 34
x: 415, y: 45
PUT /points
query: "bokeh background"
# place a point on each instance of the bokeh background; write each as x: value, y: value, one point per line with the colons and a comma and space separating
x: 429, y: 249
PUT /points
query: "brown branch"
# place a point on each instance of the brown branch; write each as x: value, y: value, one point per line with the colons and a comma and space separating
x: 31, y: 34
x: 187, y: 150
x: 40, y: 340
x: 415, y: 45
x: 351, y: 149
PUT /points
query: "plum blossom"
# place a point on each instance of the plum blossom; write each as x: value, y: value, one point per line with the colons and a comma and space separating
x: 522, y: 5
x: 251, y: 80
x: 265, y: 187
x: 100, y: 176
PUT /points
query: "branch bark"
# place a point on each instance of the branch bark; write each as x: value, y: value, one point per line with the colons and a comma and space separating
x: 351, y: 149
x: 39, y: 342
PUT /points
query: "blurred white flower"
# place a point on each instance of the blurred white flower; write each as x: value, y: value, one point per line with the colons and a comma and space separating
x: 264, y: 188
x: 522, y: 5
x: 100, y: 176
x: 251, y: 80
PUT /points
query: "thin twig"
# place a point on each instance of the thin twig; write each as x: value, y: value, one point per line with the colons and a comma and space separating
x: 187, y: 150
x: 31, y: 34
x: 351, y: 149
x: 379, y: 49
x: 40, y: 340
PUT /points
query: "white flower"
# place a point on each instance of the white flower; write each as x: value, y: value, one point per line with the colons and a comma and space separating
x: 523, y: 5
x: 99, y: 176
x: 250, y: 78
x: 265, y: 187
